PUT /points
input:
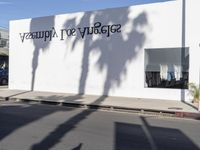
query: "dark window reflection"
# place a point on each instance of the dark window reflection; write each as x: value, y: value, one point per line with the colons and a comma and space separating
x: 167, y: 68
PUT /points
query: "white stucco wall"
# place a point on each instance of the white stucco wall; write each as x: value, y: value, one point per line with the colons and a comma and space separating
x: 193, y: 38
x: 97, y: 64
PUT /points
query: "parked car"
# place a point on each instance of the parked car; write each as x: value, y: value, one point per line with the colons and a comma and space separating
x: 3, y: 76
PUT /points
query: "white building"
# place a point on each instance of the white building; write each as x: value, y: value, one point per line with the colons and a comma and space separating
x: 4, y: 41
x: 4, y: 50
x: 143, y: 51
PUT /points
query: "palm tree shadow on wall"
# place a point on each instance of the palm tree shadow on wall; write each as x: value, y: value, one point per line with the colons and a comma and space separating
x: 40, y: 24
x: 112, y: 44
x: 116, y: 50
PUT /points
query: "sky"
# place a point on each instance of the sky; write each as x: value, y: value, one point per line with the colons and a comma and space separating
x: 20, y: 9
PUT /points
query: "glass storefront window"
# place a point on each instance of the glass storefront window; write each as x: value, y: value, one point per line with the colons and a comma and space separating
x: 167, y: 68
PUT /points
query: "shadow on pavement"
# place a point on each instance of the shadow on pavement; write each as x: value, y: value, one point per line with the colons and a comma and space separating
x: 16, y: 116
x: 147, y: 137
x: 63, y: 129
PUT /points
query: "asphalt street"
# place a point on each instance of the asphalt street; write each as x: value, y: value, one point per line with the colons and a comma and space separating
x: 33, y: 126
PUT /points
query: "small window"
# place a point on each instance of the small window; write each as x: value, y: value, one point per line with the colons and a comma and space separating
x: 167, y: 68
x: 3, y: 43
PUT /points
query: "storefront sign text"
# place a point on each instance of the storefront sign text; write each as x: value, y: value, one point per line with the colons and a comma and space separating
x: 48, y: 35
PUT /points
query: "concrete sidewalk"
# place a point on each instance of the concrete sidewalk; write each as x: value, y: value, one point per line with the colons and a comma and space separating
x: 174, y: 108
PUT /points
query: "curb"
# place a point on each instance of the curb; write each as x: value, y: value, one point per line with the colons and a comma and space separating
x: 165, y: 113
x: 4, y: 98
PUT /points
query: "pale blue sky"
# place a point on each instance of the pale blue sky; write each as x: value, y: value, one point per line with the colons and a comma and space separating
x: 19, y: 9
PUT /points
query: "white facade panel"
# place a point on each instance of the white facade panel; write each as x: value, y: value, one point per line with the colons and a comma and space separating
x: 100, y: 52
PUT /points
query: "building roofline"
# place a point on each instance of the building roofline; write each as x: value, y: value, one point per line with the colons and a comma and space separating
x: 3, y: 28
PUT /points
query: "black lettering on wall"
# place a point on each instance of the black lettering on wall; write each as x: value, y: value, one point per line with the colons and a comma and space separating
x: 48, y: 35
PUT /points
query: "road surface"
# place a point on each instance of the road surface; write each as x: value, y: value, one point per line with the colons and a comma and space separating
x: 33, y: 126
